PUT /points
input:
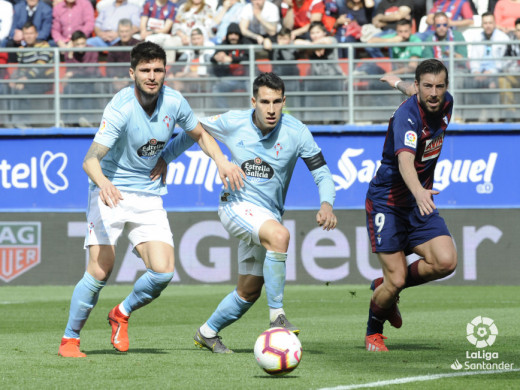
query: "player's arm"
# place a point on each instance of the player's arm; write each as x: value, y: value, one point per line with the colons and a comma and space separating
x: 177, y: 146
x: 323, y: 179
x: 226, y: 169
x: 108, y: 193
x: 406, y: 87
x: 422, y: 196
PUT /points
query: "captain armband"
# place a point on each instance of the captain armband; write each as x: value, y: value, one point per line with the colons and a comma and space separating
x: 315, y: 162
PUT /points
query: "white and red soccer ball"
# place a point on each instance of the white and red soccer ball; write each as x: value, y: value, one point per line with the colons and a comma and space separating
x: 278, y: 351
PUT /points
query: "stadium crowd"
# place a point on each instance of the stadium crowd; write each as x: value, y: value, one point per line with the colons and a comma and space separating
x: 174, y: 24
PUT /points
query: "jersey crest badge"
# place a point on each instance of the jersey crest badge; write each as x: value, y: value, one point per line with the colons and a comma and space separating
x: 167, y: 121
x: 213, y: 118
x: 278, y: 148
x: 410, y: 139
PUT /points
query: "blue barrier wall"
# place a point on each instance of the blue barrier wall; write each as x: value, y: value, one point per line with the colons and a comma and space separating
x: 40, y: 170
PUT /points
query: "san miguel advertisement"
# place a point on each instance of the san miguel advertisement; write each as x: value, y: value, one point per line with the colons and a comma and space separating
x: 43, y: 197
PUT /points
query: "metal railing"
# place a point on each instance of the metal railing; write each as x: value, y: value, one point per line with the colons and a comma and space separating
x: 353, y: 95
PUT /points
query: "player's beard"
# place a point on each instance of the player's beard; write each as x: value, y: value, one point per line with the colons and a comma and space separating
x: 148, y: 95
x: 428, y: 110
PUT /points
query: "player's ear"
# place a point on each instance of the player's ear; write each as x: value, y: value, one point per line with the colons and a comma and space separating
x: 283, y: 101
x: 131, y: 73
x: 253, y: 102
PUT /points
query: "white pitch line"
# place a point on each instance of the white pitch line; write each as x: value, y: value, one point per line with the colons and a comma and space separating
x: 422, y: 378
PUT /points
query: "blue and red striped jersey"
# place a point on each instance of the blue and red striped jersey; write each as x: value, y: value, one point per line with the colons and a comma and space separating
x: 410, y: 129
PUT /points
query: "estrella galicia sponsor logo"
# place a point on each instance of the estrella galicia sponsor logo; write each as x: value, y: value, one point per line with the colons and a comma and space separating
x: 50, y: 166
x: 257, y: 170
x: 20, y: 248
x: 481, y: 332
x: 151, y: 148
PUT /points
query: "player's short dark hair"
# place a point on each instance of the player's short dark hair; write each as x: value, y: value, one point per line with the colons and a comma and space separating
x: 488, y: 14
x: 146, y: 51
x: 431, y: 65
x: 269, y: 80
x: 78, y: 34
x: 517, y: 21
x: 284, y: 32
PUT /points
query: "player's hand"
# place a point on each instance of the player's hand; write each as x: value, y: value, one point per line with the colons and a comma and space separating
x: 232, y: 173
x: 159, y: 171
x: 109, y: 194
x: 326, y: 218
x: 424, y: 199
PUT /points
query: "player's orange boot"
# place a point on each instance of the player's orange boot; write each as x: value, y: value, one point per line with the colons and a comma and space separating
x: 119, y: 323
x: 394, y: 318
x: 376, y: 343
x: 70, y: 348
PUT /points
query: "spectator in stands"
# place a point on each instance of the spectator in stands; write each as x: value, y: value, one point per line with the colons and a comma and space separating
x: 388, y: 13
x: 35, y: 11
x: 156, y: 25
x: 411, y: 54
x: 228, y: 11
x: 506, y: 12
x: 193, y: 13
x: 108, y: 19
x: 444, y: 33
x: 350, y: 16
x: 6, y: 21
x: 260, y: 19
x: 459, y: 12
x: 486, y: 62
x: 227, y: 64
x: 40, y: 56
x: 299, y: 14
x: 512, y: 77
x: 120, y: 73
x: 87, y: 70
x: 321, y: 66
x: 69, y: 16
x: 285, y: 70
x: 196, y: 65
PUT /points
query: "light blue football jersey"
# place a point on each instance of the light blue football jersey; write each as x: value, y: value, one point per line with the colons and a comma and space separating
x: 268, y: 161
x: 136, y: 140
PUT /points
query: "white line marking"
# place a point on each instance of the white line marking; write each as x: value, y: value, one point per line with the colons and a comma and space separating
x: 417, y: 379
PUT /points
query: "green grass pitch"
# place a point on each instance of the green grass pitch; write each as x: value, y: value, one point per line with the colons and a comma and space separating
x: 332, y: 318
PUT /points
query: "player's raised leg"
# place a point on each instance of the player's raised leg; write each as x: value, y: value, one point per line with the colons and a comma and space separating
x: 159, y: 260
x: 85, y: 297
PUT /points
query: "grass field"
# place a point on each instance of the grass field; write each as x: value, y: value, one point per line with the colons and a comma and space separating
x: 332, y: 319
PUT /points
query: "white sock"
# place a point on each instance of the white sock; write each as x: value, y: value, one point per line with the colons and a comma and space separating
x: 122, y: 309
x: 274, y: 313
x: 207, y: 332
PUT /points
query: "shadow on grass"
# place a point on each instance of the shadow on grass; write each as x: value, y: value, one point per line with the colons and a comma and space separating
x: 153, y: 351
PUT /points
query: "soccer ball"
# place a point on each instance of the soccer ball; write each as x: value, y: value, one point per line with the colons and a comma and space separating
x: 278, y: 351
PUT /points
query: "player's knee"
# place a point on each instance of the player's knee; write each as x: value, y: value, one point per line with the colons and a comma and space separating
x: 446, y: 264
x: 279, y: 239
x: 395, y: 283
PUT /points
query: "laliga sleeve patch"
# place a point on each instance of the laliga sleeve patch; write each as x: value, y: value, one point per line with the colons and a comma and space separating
x: 410, y: 139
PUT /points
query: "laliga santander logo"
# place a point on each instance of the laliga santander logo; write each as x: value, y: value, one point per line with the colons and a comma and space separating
x: 481, y: 332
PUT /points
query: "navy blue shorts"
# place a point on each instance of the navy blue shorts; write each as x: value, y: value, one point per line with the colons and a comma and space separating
x: 394, y: 229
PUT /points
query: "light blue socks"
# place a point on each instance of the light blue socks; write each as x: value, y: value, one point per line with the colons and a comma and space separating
x: 230, y: 309
x: 146, y: 289
x: 84, y: 298
x: 274, y: 278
